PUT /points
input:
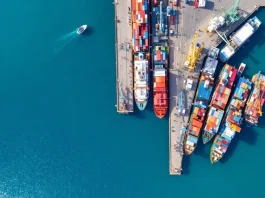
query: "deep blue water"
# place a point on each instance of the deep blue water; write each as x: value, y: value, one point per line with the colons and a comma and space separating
x: 60, y: 135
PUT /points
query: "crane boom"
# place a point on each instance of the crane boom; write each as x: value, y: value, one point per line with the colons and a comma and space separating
x: 223, y: 37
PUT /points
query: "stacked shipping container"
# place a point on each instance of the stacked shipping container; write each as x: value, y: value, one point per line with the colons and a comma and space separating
x: 224, y: 87
x: 232, y: 120
x: 199, y: 112
x: 160, y: 64
x: 219, y: 101
x: 256, y: 100
x: 140, y: 11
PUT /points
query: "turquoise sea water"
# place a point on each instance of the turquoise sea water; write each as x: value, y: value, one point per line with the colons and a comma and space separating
x: 60, y: 135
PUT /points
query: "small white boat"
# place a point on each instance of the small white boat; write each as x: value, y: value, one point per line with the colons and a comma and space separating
x: 81, y: 29
x: 241, y: 69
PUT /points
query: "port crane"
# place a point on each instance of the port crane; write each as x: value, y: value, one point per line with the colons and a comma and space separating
x: 195, y: 52
x: 123, y: 101
x: 232, y: 14
x: 223, y: 37
x: 227, y: 18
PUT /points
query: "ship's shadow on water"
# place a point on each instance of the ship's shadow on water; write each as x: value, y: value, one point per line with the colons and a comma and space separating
x: 89, y: 31
x: 185, y: 165
x: 247, y: 135
x: 203, y: 150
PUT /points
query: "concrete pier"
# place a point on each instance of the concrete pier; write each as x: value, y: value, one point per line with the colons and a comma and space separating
x: 187, y: 21
x: 124, y: 67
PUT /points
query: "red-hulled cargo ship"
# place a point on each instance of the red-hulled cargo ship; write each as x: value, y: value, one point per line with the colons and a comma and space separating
x: 160, y: 79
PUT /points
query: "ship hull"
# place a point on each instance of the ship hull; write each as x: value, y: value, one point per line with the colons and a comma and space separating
x: 141, y: 105
x: 188, y: 149
x: 160, y: 79
x: 160, y: 114
x: 253, y: 110
x: 81, y: 29
x: 248, y: 29
x: 207, y: 137
x: 232, y: 120
x: 189, y: 152
x: 212, y: 158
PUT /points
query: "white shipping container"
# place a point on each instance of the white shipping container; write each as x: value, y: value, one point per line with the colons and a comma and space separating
x: 160, y: 73
x: 190, y: 143
x: 202, y: 3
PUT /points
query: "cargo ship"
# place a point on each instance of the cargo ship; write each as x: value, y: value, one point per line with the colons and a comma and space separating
x: 160, y: 57
x: 239, y: 38
x: 232, y: 120
x: 141, y: 89
x: 160, y: 80
x: 219, y: 101
x: 201, y: 102
x: 140, y: 15
x: 256, y: 100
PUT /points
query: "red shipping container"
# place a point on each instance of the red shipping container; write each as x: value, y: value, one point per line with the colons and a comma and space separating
x: 134, y: 4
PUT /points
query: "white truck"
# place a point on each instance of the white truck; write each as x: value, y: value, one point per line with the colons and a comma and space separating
x: 189, y: 84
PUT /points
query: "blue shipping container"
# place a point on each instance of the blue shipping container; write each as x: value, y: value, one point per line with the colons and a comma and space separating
x: 146, y: 35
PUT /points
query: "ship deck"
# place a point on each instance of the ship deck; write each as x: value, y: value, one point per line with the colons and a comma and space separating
x: 187, y: 21
x: 124, y: 68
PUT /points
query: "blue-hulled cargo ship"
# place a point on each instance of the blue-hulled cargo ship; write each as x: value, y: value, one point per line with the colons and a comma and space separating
x: 232, y: 120
x: 201, y: 102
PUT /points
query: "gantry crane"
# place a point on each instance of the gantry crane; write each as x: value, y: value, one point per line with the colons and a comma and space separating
x: 232, y: 14
x: 195, y: 52
x: 227, y: 18
x: 223, y: 37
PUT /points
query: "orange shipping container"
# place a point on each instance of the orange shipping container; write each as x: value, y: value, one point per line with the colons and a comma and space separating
x: 134, y: 4
x: 160, y: 79
x: 196, y: 123
x: 159, y: 84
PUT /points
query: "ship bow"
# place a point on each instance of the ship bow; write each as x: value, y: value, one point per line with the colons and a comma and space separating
x: 141, y: 105
x: 207, y: 137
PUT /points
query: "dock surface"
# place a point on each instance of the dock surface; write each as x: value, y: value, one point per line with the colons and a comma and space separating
x: 187, y: 22
x: 124, y: 67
